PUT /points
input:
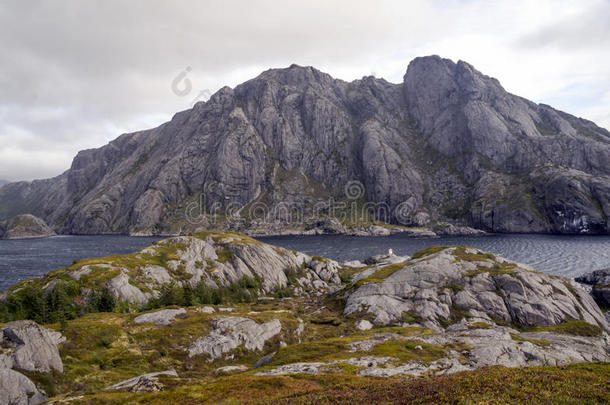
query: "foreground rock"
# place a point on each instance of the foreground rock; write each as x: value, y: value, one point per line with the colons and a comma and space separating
x: 28, y: 346
x: 231, y: 332
x: 441, y: 286
x: 464, y: 347
x: 17, y: 389
x: 25, y: 226
x: 599, y: 280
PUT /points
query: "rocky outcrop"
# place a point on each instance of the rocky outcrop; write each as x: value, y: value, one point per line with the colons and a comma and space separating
x: 122, y: 289
x: 231, y: 332
x: 216, y: 259
x: 24, y: 226
x: 599, y: 281
x: 466, y: 347
x: 441, y: 286
x: 28, y: 346
x: 162, y: 317
x: 17, y: 389
x: 448, y: 144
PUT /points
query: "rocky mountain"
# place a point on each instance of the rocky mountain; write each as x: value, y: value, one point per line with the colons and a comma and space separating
x: 448, y: 144
x: 24, y: 226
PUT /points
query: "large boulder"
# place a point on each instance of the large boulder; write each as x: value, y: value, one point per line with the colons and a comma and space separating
x: 441, y: 286
x: 28, y: 346
x: 17, y: 389
x: 231, y: 332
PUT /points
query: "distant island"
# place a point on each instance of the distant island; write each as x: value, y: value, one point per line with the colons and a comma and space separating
x: 24, y: 227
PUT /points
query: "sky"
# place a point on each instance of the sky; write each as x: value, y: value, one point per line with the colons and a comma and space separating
x: 75, y: 74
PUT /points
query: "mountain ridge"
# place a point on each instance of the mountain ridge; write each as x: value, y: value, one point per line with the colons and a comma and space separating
x: 447, y: 144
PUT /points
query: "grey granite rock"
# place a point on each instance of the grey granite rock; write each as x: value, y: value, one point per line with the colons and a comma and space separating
x: 231, y: 332
x: 363, y: 324
x: 454, y: 283
x: 17, y: 389
x: 232, y: 369
x: 28, y: 346
x: 480, y: 347
x: 120, y: 287
x: 162, y: 317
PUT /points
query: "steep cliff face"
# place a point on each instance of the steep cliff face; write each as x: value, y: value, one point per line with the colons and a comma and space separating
x: 448, y: 144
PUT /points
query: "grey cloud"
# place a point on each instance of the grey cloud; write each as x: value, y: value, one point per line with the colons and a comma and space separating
x: 586, y: 29
x: 74, y: 74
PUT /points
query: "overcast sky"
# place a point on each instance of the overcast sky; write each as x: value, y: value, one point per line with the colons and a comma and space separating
x: 76, y: 74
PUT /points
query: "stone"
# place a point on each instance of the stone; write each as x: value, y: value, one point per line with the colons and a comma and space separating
x: 30, y: 347
x: 17, y: 389
x: 231, y: 332
x: 206, y: 310
x: 240, y: 368
x: 162, y: 317
x: 354, y: 263
x: 146, y: 384
x: 264, y: 360
x: 363, y: 324
x: 120, y: 287
x: 144, y: 377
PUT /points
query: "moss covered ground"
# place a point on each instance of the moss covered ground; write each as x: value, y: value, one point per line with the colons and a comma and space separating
x: 574, y: 384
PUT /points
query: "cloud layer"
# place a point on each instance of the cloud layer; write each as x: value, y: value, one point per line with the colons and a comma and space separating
x: 76, y: 74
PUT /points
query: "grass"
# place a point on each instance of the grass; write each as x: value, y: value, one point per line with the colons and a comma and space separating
x: 428, y: 251
x: 381, y: 274
x: 479, y: 325
x: 539, y: 342
x: 409, y: 350
x: 574, y: 327
x: 574, y: 384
